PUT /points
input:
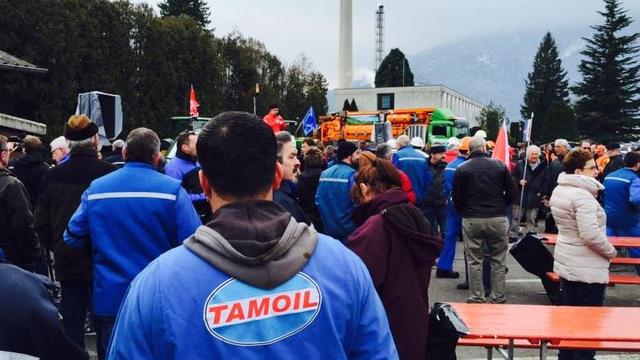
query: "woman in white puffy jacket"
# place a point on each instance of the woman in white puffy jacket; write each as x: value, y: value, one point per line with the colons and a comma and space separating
x: 582, y: 252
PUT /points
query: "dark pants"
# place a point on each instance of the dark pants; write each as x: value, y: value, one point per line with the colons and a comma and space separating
x: 76, y: 296
x: 577, y: 293
x: 437, y: 216
x: 104, y: 328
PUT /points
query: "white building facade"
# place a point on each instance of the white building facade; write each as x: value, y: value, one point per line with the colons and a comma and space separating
x: 408, y: 97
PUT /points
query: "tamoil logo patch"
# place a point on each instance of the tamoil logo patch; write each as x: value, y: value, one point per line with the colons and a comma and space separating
x: 240, y: 314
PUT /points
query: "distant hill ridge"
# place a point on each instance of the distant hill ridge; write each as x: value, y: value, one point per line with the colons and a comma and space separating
x: 494, y: 67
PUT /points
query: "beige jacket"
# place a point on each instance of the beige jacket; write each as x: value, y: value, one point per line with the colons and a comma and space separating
x: 582, y: 251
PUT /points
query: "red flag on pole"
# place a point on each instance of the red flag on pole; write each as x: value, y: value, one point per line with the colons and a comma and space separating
x: 501, y: 151
x: 193, y: 103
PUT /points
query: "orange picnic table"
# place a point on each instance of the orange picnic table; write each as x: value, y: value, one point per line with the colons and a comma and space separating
x: 544, y: 325
x: 617, y: 241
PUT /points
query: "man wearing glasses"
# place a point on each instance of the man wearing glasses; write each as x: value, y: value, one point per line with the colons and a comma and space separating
x: 18, y: 240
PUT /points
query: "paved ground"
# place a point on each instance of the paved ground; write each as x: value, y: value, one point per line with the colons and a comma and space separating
x: 523, y: 288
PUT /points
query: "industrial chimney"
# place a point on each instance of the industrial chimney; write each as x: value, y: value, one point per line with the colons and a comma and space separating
x: 379, y: 56
x: 345, y: 46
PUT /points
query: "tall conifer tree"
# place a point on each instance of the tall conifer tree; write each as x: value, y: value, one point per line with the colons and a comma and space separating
x: 546, y: 84
x: 196, y: 9
x: 608, y: 105
x: 394, y: 70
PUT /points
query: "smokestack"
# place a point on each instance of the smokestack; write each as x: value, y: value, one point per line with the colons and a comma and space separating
x: 379, y: 37
x: 345, y: 46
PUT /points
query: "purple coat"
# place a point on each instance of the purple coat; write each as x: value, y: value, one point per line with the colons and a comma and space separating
x: 399, y: 247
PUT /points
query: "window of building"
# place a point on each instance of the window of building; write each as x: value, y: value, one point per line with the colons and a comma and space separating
x: 386, y: 101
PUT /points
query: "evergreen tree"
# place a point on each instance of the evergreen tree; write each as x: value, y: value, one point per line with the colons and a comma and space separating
x: 608, y: 103
x: 515, y: 131
x: 490, y: 119
x: 197, y: 9
x: 394, y: 71
x: 559, y: 123
x: 545, y: 85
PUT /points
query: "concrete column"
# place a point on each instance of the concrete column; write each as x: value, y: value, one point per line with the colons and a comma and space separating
x: 345, y: 46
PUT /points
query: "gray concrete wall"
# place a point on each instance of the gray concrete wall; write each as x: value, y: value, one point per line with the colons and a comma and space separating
x: 411, y: 97
x: 13, y: 125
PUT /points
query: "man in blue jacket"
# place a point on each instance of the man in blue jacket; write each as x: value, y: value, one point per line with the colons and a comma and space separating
x: 622, y: 201
x: 415, y: 164
x: 334, y: 193
x: 253, y: 283
x: 128, y: 218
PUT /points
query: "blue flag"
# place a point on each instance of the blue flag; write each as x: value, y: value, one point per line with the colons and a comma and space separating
x: 309, y: 121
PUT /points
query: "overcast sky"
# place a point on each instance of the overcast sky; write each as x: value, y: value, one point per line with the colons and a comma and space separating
x: 291, y: 27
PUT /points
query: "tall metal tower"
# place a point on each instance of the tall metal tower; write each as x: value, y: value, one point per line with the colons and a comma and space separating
x: 379, y: 36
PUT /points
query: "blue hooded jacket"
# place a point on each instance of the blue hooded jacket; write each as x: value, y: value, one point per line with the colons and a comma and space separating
x: 334, y: 200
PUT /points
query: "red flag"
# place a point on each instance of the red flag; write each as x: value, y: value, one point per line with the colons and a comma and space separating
x: 501, y: 151
x: 193, y: 103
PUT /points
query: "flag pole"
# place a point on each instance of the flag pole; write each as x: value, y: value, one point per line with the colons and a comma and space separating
x: 524, y: 169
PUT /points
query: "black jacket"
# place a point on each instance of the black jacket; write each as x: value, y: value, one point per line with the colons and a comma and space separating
x: 615, y: 163
x: 553, y: 171
x: 286, y: 197
x: 29, y: 318
x: 30, y: 169
x: 62, y: 188
x: 483, y: 187
x: 535, y: 183
x: 307, y: 187
x: 435, y: 196
x: 18, y: 239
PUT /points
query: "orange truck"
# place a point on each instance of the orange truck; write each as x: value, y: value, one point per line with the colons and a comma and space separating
x: 430, y: 124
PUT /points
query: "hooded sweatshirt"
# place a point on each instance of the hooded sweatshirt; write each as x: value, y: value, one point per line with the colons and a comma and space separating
x: 253, y: 283
x: 399, y: 247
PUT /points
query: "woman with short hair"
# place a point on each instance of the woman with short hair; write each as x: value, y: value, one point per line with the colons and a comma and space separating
x: 582, y: 252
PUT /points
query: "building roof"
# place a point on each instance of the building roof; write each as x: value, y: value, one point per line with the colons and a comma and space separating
x: 10, y: 62
x: 20, y: 124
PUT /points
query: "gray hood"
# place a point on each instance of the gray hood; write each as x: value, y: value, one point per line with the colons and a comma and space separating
x: 257, y: 242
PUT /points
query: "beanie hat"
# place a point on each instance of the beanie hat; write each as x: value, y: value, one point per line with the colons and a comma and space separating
x: 79, y: 127
x: 58, y: 143
x: 437, y: 148
x: 345, y: 149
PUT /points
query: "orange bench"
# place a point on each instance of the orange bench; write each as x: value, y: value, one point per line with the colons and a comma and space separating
x: 565, y: 344
x: 625, y: 261
x: 613, y: 279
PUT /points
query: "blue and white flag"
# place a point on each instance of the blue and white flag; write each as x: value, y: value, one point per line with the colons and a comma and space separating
x: 309, y: 121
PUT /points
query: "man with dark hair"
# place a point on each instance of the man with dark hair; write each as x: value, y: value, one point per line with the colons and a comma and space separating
x: 482, y: 190
x: 18, y: 240
x: 62, y: 188
x: 253, y: 283
x: 274, y: 120
x: 128, y: 218
x: 184, y: 167
x: 308, y: 182
x: 287, y: 194
x: 622, y: 201
x: 334, y: 193
x: 30, y: 168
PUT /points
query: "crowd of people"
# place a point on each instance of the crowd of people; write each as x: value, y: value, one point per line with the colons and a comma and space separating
x: 254, y: 247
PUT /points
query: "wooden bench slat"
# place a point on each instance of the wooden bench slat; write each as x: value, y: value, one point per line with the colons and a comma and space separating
x: 565, y: 345
x: 626, y: 261
x: 613, y: 279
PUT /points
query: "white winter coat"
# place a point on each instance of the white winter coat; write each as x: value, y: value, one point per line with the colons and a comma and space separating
x: 582, y: 250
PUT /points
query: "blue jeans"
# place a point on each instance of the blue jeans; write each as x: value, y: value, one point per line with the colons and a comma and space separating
x: 76, y: 297
x: 104, y: 328
x: 577, y: 293
x: 451, y: 236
